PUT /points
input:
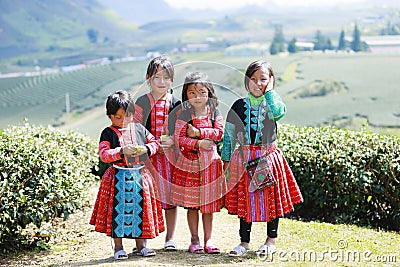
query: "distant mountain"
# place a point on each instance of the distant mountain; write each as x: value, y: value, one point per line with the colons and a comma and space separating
x: 143, y: 12
x: 57, y: 26
x: 58, y: 32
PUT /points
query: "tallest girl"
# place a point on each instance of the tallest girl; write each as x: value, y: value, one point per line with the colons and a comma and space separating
x: 251, y: 123
x: 153, y: 111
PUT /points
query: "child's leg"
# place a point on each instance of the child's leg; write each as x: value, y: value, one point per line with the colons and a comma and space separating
x: 244, y: 233
x: 140, y: 244
x: 193, y: 222
x: 170, y: 219
x: 118, y: 244
x: 272, y: 232
x: 142, y: 249
x: 207, y: 219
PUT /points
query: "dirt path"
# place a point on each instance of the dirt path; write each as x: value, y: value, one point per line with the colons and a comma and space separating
x: 77, y: 244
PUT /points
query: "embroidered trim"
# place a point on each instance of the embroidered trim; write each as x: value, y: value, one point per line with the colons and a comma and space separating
x: 257, y: 121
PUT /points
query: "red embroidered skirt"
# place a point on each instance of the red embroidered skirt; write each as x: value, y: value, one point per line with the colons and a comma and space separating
x: 198, y: 182
x: 152, y: 217
x: 162, y: 173
x: 265, y: 204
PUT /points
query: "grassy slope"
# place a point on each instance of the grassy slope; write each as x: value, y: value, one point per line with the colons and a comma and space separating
x: 372, y: 93
x: 299, y: 244
x: 356, y: 71
x: 372, y: 83
x: 58, y: 27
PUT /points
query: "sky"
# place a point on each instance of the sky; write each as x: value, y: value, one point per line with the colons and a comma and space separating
x: 223, y: 4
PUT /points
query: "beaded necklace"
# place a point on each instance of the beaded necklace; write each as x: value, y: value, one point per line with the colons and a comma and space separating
x: 257, y: 107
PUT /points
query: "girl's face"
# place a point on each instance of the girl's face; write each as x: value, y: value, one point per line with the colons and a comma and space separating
x: 120, y: 119
x: 259, y: 81
x: 197, y: 95
x: 160, y: 82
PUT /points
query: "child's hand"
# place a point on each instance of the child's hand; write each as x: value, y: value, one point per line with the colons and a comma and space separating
x: 165, y: 143
x: 128, y: 150
x: 140, y: 150
x: 134, y: 150
x: 270, y: 85
x: 192, y: 131
x: 205, y: 144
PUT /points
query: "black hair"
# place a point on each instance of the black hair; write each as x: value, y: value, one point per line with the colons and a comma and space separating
x: 119, y: 99
x: 163, y: 62
x: 253, y: 67
x: 201, y: 79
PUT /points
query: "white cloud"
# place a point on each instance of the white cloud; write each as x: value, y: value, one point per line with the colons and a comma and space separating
x: 224, y: 4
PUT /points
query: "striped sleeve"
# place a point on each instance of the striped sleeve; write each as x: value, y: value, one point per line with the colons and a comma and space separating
x: 180, y: 135
x: 108, y: 154
x: 276, y: 107
x: 229, y: 142
x: 215, y: 133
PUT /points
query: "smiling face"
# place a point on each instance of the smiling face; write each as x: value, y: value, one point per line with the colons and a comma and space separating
x: 160, y: 82
x: 197, y: 95
x: 259, y: 81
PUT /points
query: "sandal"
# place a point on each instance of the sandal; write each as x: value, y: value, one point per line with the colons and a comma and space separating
x: 238, y: 251
x: 170, y: 246
x: 146, y: 252
x: 211, y: 250
x: 196, y: 248
x: 265, y: 250
x: 120, y: 255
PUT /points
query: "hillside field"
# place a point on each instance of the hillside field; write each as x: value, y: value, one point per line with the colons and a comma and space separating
x: 371, y: 94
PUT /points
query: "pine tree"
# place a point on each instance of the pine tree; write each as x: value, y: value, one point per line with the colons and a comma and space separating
x: 342, y: 42
x: 292, y: 48
x: 278, y: 43
x: 356, y: 44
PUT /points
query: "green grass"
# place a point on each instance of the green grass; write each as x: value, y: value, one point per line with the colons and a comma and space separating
x: 298, y: 244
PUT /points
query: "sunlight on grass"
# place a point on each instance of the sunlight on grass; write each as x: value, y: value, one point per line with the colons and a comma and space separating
x: 290, y: 72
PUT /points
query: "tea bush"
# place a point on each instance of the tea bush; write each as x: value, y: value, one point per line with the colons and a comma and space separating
x: 45, y: 173
x: 345, y: 176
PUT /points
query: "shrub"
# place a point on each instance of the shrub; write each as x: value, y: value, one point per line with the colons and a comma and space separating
x: 319, y: 88
x: 45, y: 173
x: 345, y: 176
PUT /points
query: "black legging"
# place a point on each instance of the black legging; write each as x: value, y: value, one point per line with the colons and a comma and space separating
x: 245, y: 229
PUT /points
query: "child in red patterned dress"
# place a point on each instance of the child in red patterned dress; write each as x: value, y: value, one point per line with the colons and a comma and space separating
x: 153, y: 111
x: 126, y: 204
x: 251, y: 123
x: 198, y: 181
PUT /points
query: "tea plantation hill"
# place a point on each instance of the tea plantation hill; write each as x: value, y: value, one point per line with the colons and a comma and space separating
x: 46, y: 32
x: 352, y: 87
x: 42, y: 99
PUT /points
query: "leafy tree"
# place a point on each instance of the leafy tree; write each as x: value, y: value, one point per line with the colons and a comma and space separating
x: 342, y: 41
x: 278, y: 43
x: 356, y: 44
x: 319, y: 41
x: 92, y: 35
x: 292, y: 48
x: 391, y: 29
x: 273, y: 49
x: 322, y: 42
